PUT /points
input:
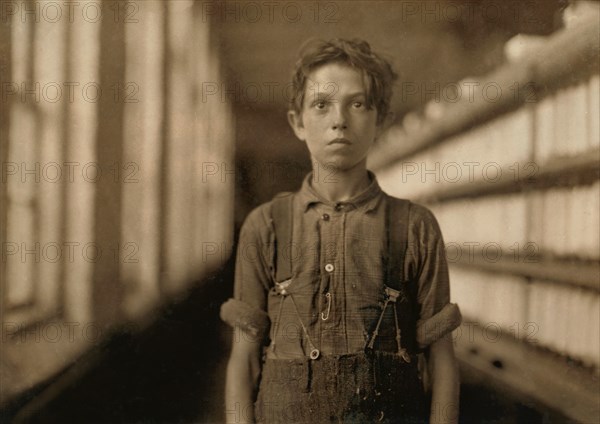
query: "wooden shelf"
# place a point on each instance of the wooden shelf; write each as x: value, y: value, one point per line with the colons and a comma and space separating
x: 585, y: 275
x: 559, y: 172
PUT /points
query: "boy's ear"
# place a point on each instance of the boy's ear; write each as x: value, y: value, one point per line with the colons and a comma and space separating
x: 295, y: 121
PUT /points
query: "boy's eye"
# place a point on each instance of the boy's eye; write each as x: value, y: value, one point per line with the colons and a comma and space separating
x: 320, y: 105
x: 358, y: 105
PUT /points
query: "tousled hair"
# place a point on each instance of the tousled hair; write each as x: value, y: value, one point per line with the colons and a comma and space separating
x: 377, y: 72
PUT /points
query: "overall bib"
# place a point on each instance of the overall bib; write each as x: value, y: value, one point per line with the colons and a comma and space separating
x: 380, y: 383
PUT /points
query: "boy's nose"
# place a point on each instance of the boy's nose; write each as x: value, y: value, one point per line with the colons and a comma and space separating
x: 341, y: 125
x: 339, y: 120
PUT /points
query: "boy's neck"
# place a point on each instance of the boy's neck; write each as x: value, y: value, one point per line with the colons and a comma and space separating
x: 340, y: 185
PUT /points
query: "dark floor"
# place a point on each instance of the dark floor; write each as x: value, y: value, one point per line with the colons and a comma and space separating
x: 173, y: 373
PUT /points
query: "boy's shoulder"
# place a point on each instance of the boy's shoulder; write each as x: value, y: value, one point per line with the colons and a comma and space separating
x: 422, y: 223
x: 419, y: 214
x: 261, y: 215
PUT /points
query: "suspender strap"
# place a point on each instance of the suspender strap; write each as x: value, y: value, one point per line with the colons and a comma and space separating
x: 397, y: 216
x: 282, y: 214
x: 397, y: 239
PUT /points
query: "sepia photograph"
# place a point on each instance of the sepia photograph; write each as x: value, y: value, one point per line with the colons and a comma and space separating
x: 300, y: 211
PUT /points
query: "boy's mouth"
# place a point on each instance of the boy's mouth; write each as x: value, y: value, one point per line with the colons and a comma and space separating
x: 340, y: 140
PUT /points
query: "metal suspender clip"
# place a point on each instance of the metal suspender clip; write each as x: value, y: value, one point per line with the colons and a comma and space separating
x: 281, y: 288
x: 395, y: 296
x: 392, y: 294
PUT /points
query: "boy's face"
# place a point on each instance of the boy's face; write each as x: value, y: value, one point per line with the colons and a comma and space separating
x: 335, y: 122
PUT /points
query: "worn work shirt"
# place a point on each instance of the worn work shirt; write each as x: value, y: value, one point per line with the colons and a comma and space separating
x: 337, y: 288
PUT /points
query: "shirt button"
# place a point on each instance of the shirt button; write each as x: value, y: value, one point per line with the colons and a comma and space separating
x: 339, y: 207
x: 325, y: 217
x: 329, y: 268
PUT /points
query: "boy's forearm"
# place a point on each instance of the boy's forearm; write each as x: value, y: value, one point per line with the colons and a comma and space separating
x: 243, y: 371
x: 239, y: 407
x: 445, y: 385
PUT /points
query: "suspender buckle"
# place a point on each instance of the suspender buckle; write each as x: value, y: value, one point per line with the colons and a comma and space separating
x: 404, y: 355
x: 281, y: 288
x: 392, y: 294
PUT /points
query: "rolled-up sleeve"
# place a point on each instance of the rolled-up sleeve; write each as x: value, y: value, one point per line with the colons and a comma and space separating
x: 248, y: 308
x: 427, y: 264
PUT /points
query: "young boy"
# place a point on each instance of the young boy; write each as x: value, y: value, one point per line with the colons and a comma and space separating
x: 347, y: 285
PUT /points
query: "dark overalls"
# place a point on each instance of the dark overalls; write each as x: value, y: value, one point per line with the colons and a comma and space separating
x: 380, y: 383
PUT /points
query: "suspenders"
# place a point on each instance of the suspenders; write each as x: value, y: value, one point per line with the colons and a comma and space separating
x: 397, y: 290
x: 396, y: 218
x: 400, y: 292
x: 282, y: 213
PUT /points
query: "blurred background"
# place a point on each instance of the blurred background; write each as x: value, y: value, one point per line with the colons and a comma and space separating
x: 137, y: 135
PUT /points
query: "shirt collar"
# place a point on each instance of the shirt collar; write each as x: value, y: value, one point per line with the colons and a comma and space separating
x: 369, y: 198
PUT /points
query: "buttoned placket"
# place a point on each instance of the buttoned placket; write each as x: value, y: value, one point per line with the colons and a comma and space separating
x: 329, y: 314
x: 332, y: 315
